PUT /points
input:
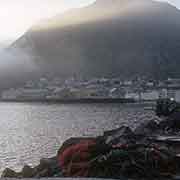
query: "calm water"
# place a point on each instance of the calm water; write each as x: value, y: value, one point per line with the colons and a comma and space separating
x: 32, y: 131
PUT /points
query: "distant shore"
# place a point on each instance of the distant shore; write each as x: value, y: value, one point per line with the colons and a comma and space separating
x: 70, y: 101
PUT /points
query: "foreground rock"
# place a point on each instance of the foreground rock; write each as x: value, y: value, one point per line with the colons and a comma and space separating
x: 147, y: 152
x: 46, y: 168
x: 9, y: 173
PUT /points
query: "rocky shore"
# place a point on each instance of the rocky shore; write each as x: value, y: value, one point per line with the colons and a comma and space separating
x: 152, y: 150
x: 149, y: 151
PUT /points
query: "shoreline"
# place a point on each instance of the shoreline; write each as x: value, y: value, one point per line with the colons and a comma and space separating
x: 73, y: 101
x: 147, y: 140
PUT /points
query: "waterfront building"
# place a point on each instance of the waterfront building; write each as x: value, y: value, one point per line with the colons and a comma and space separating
x: 117, y: 93
x: 10, y: 94
x: 32, y: 94
x: 150, y: 95
x: 132, y: 95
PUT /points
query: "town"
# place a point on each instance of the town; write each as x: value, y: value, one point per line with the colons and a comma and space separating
x: 138, y: 89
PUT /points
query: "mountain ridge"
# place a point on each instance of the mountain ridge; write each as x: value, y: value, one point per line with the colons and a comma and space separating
x: 139, y: 38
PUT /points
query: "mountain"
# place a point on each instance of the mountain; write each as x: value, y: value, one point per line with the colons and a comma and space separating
x: 107, y: 38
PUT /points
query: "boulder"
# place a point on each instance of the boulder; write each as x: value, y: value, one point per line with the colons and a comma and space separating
x: 147, y: 128
x: 48, y: 167
x: 73, y: 141
x: 27, y: 172
x: 172, y: 122
x: 43, y: 173
x: 44, y: 164
x: 123, y: 135
x: 9, y: 173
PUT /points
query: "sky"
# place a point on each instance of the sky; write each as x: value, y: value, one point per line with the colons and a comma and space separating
x: 17, y: 16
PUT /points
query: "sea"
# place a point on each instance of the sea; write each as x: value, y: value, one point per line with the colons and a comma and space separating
x: 31, y: 131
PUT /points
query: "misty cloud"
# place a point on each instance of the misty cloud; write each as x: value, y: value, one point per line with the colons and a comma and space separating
x: 15, y: 67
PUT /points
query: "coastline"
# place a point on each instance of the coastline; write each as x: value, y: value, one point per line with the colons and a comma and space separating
x: 29, y: 170
x: 73, y: 101
x: 147, y: 139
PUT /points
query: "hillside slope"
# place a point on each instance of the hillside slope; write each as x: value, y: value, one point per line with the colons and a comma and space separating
x: 108, y: 38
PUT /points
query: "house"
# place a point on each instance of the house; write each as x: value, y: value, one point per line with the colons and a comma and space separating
x: 117, y: 93
x: 132, y: 95
x: 150, y: 95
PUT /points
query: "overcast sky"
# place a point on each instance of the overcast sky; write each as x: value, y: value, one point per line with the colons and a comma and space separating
x: 16, y: 16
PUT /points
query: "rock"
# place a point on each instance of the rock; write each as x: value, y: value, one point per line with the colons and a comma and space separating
x: 165, y: 107
x: 43, y: 173
x: 48, y: 167
x: 44, y: 164
x: 27, y: 172
x: 147, y: 128
x: 123, y: 135
x: 9, y: 173
x: 172, y: 122
x: 72, y: 141
x: 59, y: 174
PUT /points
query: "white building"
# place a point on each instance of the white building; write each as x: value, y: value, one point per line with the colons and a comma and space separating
x: 149, y: 84
x: 33, y: 94
x: 163, y: 93
x: 128, y: 83
x: 132, y: 95
x: 150, y: 95
x: 10, y: 94
x: 116, y: 93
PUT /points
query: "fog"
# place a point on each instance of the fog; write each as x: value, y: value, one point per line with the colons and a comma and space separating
x: 15, y: 67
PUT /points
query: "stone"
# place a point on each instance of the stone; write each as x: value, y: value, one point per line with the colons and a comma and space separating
x: 9, y: 173
x: 43, y: 173
x: 27, y: 172
x: 48, y: 167
x: 147, y: 128
x: 123, y: 135
x: 172, y: 122
x: 72, y: 141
